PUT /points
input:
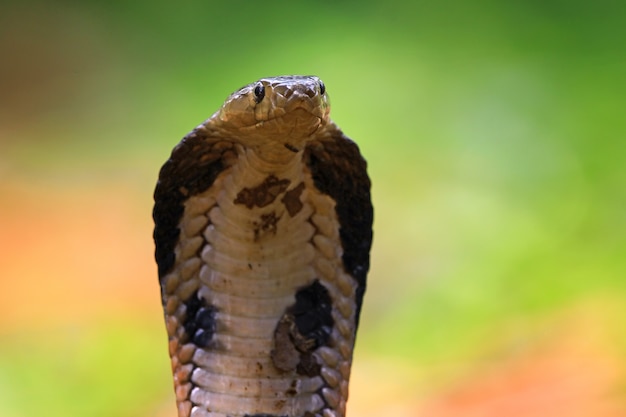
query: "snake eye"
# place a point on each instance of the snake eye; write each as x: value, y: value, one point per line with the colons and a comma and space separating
x: 259, y: 92
x: 322, y: 87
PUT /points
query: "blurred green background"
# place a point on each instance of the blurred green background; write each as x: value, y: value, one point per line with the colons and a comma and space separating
x: 496, y: 139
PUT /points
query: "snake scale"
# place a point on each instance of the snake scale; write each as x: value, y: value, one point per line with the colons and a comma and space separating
x: 263, y: 228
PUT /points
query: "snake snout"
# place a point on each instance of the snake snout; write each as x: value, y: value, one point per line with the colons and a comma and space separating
x: 303, y: 93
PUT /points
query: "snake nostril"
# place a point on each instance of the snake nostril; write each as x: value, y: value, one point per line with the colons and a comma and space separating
x: 311, y: 93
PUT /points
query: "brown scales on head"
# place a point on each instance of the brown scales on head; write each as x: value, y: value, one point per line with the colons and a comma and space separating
x: 263, y: 226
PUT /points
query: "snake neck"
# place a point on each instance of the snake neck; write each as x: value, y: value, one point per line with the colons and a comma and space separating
x: 267, y: 158
x: 279, y: 142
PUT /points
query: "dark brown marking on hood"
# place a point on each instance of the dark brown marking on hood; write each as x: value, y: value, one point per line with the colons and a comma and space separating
x: 265, y: 225
x: 292, y: 201
x: 305, y: 326
x: 339, y: 170
x: 192, y: 168
x: 200, y: 322
x: 263, y: 194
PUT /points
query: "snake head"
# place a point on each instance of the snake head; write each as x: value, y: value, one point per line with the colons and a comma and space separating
x: 285, y: 109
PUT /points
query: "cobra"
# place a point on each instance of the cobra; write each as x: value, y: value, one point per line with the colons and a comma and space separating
x: 263, y: 228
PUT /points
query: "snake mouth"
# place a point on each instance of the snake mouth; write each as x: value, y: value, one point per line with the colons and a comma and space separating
x: 295, y: 123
